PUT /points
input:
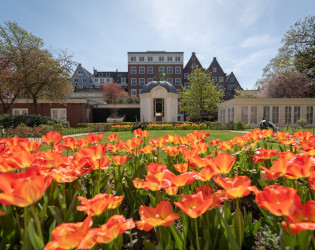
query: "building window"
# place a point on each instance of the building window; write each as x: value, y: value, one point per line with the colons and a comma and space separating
x: 275, y: 114
x: 83, y: 79
x: 141, y: 59
x: 309, y: 114
x: 123, y: 80
x: 133, y: 81
x: 107, y: 74
x: 95, y: 79
x: 222, y: 116
x: 133, y: 70
x: 141, y: 82
x: 141, y: 70
x: 101, y: 74
x: 76, y: 80
x: 244, y: 114
x: 58, y: 114
x: 287, y: 114
x: 177, y: 70
x: 150, y: 70
x: 214, y: 79
x: 80, y: 72
x: 193, y: 66
x: 19, y: 111
x: 232, y: 79
x: 221, y: 87
x: 253, y: 115
x: 161, y: 70
x: 161, y: 59
x: 177, y: 59
x: 177, y: 81
x: 150, y: 58
x: 231, y: 87
x: 169, y: 58
x: 107, y: 79
x: 231, y: 114
x: 169, y: 70
x: 150, y: 79
x: 221, y: 79
x: 186, y: 76
x: 133, y: 92
x: 297, y: 113
x: 170, y: 80
x: 133, y: 58
x: 186, y: 85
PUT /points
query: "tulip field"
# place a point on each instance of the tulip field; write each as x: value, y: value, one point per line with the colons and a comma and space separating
x: 255, y: 191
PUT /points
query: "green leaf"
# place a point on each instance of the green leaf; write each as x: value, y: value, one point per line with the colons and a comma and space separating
x: 256, y: 226
x: 239, y: 226
x: 54, y: 211
x: 178, y: 238
x: 230, y: 235
x: 43, y: 210
x: 149, y: 246
x: 71, y: 207
x: 35, y: 240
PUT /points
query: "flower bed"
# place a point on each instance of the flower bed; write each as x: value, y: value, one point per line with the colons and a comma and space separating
x: 236, y: 194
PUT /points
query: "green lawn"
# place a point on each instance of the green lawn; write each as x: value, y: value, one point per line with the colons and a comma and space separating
x: 214, y: 134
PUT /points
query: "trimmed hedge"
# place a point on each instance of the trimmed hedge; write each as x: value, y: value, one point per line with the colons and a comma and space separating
x: 30, y: 120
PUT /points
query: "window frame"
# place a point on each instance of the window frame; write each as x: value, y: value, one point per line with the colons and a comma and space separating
x: 58, y: 113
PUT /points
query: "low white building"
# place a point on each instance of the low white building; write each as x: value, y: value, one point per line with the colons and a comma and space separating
x: 158, y: 102
x: 280, y: 111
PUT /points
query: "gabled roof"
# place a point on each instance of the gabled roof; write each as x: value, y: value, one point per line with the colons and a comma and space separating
x: 193, y: 59
x: 79, y: 67
x: 215, y: 64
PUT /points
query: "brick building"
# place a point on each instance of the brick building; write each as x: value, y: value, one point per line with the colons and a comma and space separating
x: 144, y: 67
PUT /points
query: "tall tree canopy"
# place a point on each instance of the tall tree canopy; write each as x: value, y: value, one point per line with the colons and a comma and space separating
x: 297, y: 53
x: 28, y: 69
x: 202, y: 94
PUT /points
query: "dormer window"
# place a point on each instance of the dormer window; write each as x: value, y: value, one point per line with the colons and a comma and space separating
x: 101, y: 74
x: 107, y: 74
x: 214, y: 70
x: 133, y: 58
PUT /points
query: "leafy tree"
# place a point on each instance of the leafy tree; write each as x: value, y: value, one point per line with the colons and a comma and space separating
x: 39, y: 72
x: 202, y: 94
x: 288, y: 85
x: 113, y: 94
x: 296, y: 54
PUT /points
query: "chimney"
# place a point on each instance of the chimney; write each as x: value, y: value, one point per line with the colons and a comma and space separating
x: 116, y: 70
x: 214, y: 58
x: 193, y: 54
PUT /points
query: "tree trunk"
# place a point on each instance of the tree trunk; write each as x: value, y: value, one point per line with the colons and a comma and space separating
x: 35, y: 106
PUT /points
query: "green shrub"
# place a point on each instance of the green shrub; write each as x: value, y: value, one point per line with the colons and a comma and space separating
x: 239, y: 125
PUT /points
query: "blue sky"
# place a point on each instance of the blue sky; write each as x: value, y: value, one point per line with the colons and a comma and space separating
x: 243, y: 34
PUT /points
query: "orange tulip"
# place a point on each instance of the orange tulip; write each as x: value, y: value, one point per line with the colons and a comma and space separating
x: 177, y: 180
x: 237, y: 187
x: 201, y: 148
x: 62, y: 175
x: 279, y: 200
x: 120, y: 160
x: 264, y: 154
x: 147, y: 149
x: 181, y: 168
x: 226, y: 145
x: 31, y: 146
x: 52, y: 138
x: 13, y: 141
x: 187, y: 154
x: 115, y: 226
x: 20, y: 160
x: 277, y: 170
x: 155, y: 167
x: 171, y: 151
x: 112, y: 137
x: 117, y: 147
x: 196, y: 204
x: 138, y: 132
x: 69, y: 235
x: 97, y: 152
x: 160, y: 216
x: 84, y: 142
x: 95, y: 138
x: 206, y: 174
x: 300, y: 166
x: 71, y: 144
x: 132, y: 144
x: 99, y: 203
x: 222, y: 163
x: 24, y: 188
x: 99, y: 164
x: 214, y: 142
x: 302, y: 219
x: 159, y: 142
x: 311, y: 180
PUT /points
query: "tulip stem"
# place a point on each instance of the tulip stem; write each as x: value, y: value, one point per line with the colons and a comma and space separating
x: 25, y: 221
x: 197, y: 235
x: 99, y: 177
x: 115, y: 244
x: 37, y: 222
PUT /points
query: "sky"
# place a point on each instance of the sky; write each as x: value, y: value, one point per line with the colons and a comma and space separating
x: 243, y: 34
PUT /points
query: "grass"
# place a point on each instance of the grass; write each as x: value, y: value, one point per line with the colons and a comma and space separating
x: 214, y: 134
